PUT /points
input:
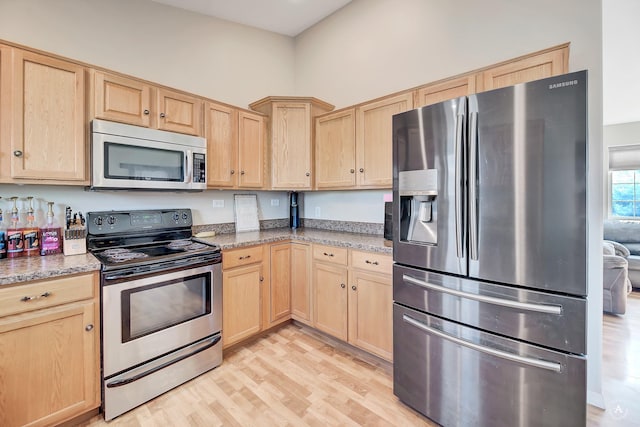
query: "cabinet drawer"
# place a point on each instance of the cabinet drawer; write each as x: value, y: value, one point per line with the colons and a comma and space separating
x: 372, y: 261
x: 331, y: 254
x: 243, y: 256
x: 46, y: 293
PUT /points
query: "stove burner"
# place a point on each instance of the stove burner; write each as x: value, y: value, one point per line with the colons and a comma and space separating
x: 179, y: 244
x: 195, y: 246
x: 115, y: 251
x: 126, y: 256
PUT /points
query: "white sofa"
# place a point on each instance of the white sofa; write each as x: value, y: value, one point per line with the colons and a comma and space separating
x: 628, y: 234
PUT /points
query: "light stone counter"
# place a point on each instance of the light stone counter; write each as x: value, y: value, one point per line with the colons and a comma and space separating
x: 366, y: 242
x: 25, y: 269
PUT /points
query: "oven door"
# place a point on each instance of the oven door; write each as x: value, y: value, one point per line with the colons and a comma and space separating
x: 148, y: 317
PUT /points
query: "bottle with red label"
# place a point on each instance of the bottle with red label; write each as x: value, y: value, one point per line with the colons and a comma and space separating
x: 31, y: 232
x: 50, y: 235
x: 3, y: 237
x: 15, y: 236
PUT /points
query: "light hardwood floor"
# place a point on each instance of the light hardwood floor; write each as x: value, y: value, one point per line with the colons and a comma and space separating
x: 620, y: 369
x: 293, y: 377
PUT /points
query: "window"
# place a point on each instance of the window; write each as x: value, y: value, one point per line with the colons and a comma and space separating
x: 625, y: 193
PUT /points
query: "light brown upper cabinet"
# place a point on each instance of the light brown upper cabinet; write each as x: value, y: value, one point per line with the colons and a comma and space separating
x: 5, y: 123
x: 289, y: 139
x: 547, y: 63
x: 47, y: 118
x: 335, y: 141
x: 442, y: 91
x: 136, y: 102
x: 251, y: 150
x: 374, y: 139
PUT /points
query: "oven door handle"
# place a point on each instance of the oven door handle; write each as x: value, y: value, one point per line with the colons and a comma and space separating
x: 204, y: 345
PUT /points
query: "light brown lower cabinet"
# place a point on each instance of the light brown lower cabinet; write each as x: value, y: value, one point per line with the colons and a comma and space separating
x: 353, y: 301
x: 301, y: 297
x: 279, y: 296
x: 242, y: 277
x: 49, y: 351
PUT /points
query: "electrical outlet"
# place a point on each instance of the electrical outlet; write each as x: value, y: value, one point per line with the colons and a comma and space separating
x: 275, y: 202
x: 318, y: 212
x: 218, y: 203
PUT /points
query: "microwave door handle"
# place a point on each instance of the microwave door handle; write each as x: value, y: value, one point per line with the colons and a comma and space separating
x: 189, y: 172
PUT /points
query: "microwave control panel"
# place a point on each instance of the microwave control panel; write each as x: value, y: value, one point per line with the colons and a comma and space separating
x: 199, y: 168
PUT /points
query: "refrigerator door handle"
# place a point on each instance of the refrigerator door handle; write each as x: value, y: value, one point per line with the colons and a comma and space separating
x: 459, y: 169
x: 540, y: 308
x: 473, y: 178
x: 536, y: 363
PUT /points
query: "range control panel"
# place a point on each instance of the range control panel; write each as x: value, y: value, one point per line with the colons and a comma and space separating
x: 108, y: 222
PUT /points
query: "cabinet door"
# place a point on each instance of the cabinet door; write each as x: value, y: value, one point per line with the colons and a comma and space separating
x: 330, y: 299
x: 49, y: 365
x: 373, y: 139
x: 301, y: 302
x: 178, y: 112
x: 280, y: 283
x: 545, y: 64
x: 450, y: 89
x: 5, y: 118
x: 251, y: 150
x: 291, y: 146
x: 335, y: 144
x: 48, y: 118
x: 121, y: 99
x: 241, y: 311
x: 220, y: 129
x: 371, y: 313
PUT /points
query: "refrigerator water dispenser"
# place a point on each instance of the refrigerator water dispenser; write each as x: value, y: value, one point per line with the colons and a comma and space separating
x: 418, y: 192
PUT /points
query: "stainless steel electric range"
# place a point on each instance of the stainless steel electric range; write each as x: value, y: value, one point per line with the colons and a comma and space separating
x: 161, y: 304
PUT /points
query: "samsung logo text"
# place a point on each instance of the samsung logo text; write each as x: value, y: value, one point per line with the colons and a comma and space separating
x: 563, y: 84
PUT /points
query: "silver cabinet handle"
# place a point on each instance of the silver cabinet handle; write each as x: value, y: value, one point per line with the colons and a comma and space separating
x: 371, y: 262
x: 327, y: 254
x: 88, y: 328
x: 146, y: 112
x: 17, y: 153
x: 232, y: 171
x: 352, y: 171
x: 540, y: 308
x: 163, y: 115
x: 241, y: 172
x: 361, y: 169
x: 245, y: 257
x: 307, y: 174
x: 353, y: 287
x: 342, y: 285
x: 536, y: 363
x: 31, y: 298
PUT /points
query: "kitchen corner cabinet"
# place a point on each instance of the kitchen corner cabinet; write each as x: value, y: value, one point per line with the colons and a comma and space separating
x: 49, y: 350
x: 279, y: 284
x: 335, y: 145
x: 374, y: 126
x: 547, y: 63
x: 301, y: 297
x: 242, y: 277
x: 442, y: 91
x: 48, y: 119
x: 136, y: 102
x: 289, y: 139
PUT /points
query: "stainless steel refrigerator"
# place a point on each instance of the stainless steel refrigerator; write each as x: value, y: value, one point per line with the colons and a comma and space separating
x: 490, y: 251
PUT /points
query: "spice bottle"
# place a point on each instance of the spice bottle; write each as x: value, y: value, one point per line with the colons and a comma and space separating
x: 50, y: 234
x: 31, y: 232
x: 15, y: 238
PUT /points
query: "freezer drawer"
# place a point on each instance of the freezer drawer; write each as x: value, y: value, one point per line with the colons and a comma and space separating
x: 461, y: 376
x: 549, y: 320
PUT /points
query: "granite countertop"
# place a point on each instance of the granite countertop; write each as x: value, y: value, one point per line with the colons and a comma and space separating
x: 365, y: 242
x: 34, y: 268
x: 42, y: 267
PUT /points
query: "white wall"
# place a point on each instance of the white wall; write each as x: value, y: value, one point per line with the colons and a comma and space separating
x: 221, y: 60
x: 370, y: 48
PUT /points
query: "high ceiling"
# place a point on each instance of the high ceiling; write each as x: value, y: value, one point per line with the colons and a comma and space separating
x: 288, y: 17
x: 621, y: 35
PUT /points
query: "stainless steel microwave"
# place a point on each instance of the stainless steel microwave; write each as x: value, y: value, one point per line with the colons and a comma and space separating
x: 126, y: 157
